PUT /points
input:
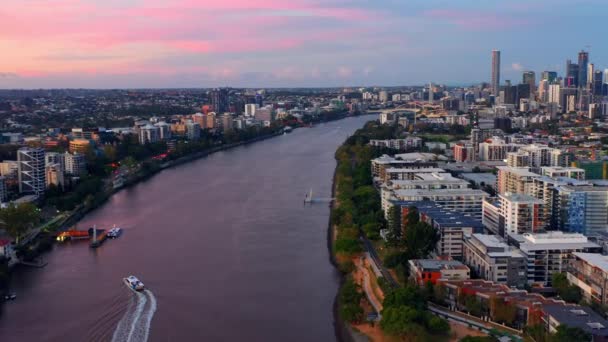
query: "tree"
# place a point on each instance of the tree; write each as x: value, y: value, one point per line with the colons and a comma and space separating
x: 420, y: 240
x: 17, y: 220
x: 478, y: 339
x: 348, y: 246
x: 400, y: 320
x: 394, y: 225
x: 405, y: 296
x: 569, y: 293
x: 349, y: 300
x: 568, y: 334
x: 438, y: 325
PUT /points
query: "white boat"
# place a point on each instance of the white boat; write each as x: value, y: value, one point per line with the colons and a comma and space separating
x: 133, y: 283
x: 114, y: 232
x: 308, y: 197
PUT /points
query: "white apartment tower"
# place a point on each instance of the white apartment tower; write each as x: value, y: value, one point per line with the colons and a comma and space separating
x: 31, y: 171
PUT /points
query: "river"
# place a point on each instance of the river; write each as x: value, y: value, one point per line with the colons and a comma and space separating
x: 224, y: 244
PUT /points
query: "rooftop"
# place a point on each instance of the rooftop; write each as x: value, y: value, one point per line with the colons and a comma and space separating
x: 594, y: 259
x: 437, y: 265
x: 520, y: 171
x: 520, y: 198
x: 422, y: 170
x: 490, y: 241
x: 578, y: 316
x: 440, y: 192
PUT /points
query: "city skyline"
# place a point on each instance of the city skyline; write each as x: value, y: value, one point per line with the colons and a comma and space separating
x: 304, y: 43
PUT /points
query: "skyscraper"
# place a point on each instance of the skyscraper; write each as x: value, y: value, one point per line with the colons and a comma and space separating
x: 32, y: 175
x: 219, y: 100
x: 495, y: 71
x: 550, y: 76
x: 529, y: 77
x: 583, y: 65
x: 597, y: 83
x: 571, y: 74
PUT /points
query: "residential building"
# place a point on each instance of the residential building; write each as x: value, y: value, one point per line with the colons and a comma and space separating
x: 210, y: 121
x: 227, y: 123
x: 423, y: 271
x: 149, y: 134
x: 464, y: 153
x: 518, y: 159
x: 381, y: 164
x: 560, y: 158
x: 75, y: 164
x: 567, y: 172
x: 520, y: 213
x: 3, y: 189
x: 582, y: 209
x: 31, y: 171
x: 79, y: 145
x: 491, y: 219
x: 528, y: 306
x: 516, y: 180
x: 250, y: 109
x: 575, y: 316
x: 407, y: 173
x: 193, y: 130
x: 490, y: 258
x: 9, y: 169
x: 51, y: 158
x: 549, y: 253
x: 539, y: 155
x: 429, y: 181
x: 496, y: 149
x: 398, y: 144
x: 466, y: 201
x: 164, y: 130
x: 452, y: 226
x: 54, y: 175
x: 589, y: 271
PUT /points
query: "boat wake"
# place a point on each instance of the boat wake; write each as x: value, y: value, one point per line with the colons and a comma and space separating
x: 134, y: 326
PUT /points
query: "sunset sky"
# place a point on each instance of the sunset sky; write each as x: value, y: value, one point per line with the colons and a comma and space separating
x: 285, y: 43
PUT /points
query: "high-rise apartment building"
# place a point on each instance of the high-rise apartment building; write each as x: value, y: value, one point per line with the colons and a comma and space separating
x: 495, y: 71
x: 148, y: 134
x: 520, y: 213
x: 250, y: 109
x: 517, y: 180
x: 31, y: 171
x: 75, y: 164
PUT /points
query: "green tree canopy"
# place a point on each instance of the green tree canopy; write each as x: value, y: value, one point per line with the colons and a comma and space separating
x: 17, y: 220
x: 569, y: 334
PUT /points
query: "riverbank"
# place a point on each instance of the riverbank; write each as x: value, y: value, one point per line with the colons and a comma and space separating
x: 43, y: 240
x: 229, y: 205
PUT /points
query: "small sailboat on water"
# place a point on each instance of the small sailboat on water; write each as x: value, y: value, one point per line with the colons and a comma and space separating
x: 308, y: 197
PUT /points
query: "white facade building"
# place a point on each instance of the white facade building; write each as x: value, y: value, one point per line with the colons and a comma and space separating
x: 31, y: 171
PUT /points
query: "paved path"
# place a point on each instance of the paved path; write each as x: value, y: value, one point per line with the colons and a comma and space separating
x: 367, y: 287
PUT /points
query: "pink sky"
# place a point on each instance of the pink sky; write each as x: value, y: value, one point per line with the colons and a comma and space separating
x: 115, y: 43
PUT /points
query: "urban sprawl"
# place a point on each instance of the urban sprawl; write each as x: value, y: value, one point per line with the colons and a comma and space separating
x: 511, y: 176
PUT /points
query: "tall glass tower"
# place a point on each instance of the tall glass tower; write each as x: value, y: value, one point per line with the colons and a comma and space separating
x: 495, y: 71
x: 583, y: 65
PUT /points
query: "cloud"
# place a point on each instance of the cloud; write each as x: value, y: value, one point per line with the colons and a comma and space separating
x: 475, y: 20
x: 517, y: 67
x: 8, y: 75
x: 344, y: 72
